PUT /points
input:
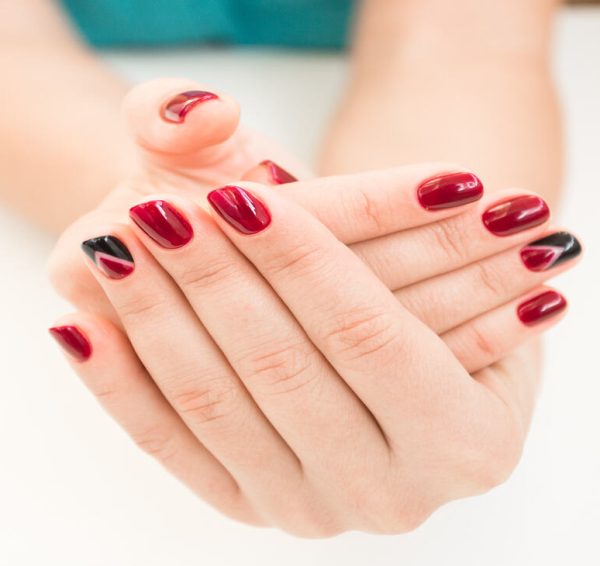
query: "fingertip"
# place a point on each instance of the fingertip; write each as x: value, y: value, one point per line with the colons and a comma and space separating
x: 176, y: 116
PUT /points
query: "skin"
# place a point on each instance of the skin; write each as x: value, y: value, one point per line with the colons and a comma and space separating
x: 245, y: 393
x: 300, y: 373
x: 422, y: 122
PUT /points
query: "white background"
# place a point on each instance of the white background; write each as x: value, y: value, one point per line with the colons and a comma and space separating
x: 74, y: 490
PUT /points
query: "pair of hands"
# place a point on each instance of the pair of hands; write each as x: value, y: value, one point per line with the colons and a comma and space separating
x: 324, y: 355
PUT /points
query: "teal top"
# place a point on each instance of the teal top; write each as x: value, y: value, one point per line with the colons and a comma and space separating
x: 293, y: 23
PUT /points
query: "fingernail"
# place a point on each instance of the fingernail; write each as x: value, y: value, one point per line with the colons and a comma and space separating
x: 177, y: 108
x: 550, y: 251
x: 73, y: 341
x: 163, y: 223
x: 539, y: 308
x: 279, y: 175
x: 515, y: 215
x: 110, y: 256
x: 246, y: 213
x: 448, y: 191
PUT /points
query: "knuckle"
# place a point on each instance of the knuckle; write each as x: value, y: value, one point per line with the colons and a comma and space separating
x: 204, y: 276
x: 317, y: 529
x: 391, y: 514
x: 483, y: 342
x: 140, y: 308
x: 492, y: 456
x: 284, y: 368
x: 449, y: 236
x: 500, y: 457
x: 488, y: 278
x: 373, y: 211
x: 297, y: 260
x: 362, y: 333
x: 157, y: 442
x: 205, y: 402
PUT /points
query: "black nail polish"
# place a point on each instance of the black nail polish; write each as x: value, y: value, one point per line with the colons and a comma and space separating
x: 550, y: 251
x: 110, y: 255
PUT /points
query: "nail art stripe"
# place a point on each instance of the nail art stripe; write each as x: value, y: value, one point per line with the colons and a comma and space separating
x: 110, y: 255
x: 550, y: 251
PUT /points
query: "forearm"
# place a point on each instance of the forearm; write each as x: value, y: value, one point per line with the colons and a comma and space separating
x: 62, y: 142
x: 464, y: 82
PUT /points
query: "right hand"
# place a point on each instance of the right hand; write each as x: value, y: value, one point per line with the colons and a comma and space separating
x: 366, y: 419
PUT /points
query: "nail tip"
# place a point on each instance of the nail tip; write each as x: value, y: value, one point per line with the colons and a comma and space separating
x: 178, y: 107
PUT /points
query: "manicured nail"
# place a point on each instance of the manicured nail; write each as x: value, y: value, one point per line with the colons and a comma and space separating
x: 515, y: 215
x: 279, y: 175
x: 550, y: 251
x: 72, y: 341
x: 246, y: 213
x: 448, y: 191
x: 110, y: 256
x: 163, y: 223
x: 177, y: 108
x: 539, y: 308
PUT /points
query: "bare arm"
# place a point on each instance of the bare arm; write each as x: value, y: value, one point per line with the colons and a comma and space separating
x: 464, y: 81
x: 62, y: 143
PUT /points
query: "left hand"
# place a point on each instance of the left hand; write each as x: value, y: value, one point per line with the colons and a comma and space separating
x: 298, y: 391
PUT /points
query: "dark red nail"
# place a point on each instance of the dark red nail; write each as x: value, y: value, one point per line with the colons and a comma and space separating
x: 72, y: 341
x: 279, y: 175
x: 163, y: 223
x: 515, y: 215
x: 242, y: 210
x: 539, y: 308
x: 448, y: 191
x: 550, y: 251
x: 177, y: 108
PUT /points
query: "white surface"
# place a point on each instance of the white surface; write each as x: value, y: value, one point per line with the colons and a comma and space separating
x: 74, y: 491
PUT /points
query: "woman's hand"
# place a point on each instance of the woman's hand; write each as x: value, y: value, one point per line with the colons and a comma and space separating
x: 279, y: 377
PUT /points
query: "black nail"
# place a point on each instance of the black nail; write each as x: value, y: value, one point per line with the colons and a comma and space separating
x: 110, y: 255
x: 550, y: 251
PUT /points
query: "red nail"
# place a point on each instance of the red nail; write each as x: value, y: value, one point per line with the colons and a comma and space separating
x: 279, y: 175
x: 515, y: 215
x: 242, y: 210
x: 539, y: 308
x: 163, y: 223
x: 177, y: 108
x: 72, y: 341
x: 448, y: 191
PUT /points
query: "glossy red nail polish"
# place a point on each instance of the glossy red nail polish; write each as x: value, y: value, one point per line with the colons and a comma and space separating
x: 178, y: 107
x: 72, y: 341
x: 515, y: 215
x: 279, y: 175
x: 163, y: 223
x: 539, y: 308
x: 246, y: 213
x: 449, y: 191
